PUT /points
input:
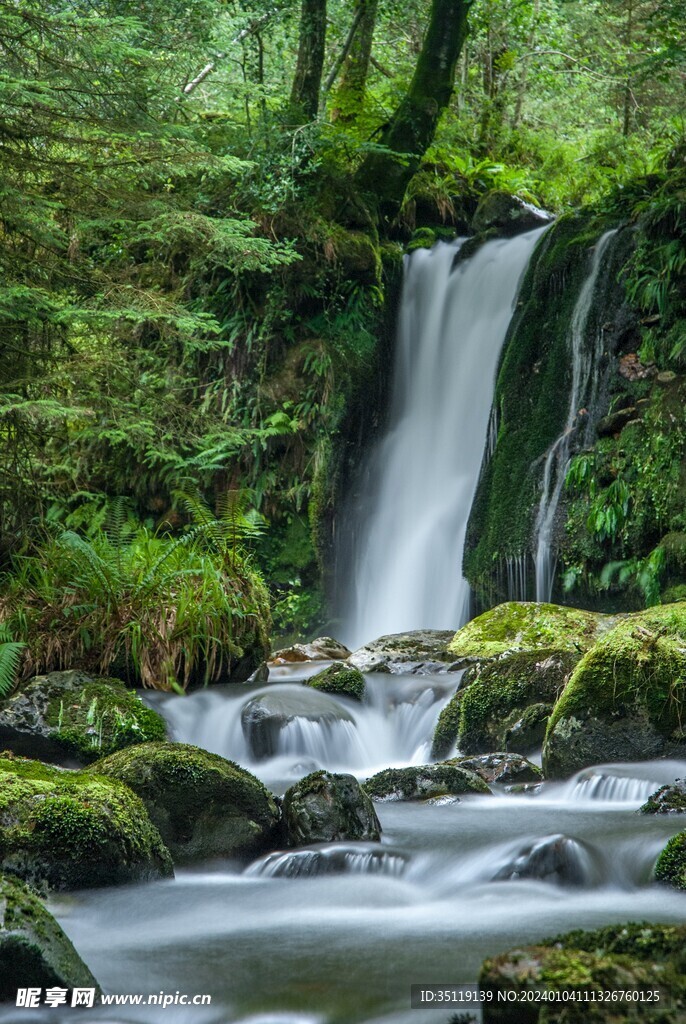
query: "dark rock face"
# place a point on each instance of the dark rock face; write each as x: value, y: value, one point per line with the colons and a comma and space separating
x: 425, y: 782
x: 324, y: 648
x: 508, y: 215
x: 419, y: 651
x: 328, y: 808
x: 505, y: 769
x: 265, y: 716
x: 339, y: 680
x: 667, y: 800
x: 74, y: 830
x: 557, y: 859
x: 73, y: 717
x: 34, y: 951
x: 202, y: 805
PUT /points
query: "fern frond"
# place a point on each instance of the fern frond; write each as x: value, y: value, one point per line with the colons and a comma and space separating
x: 10, y: 657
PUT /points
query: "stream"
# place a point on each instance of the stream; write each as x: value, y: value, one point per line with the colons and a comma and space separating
x: 337, y: 934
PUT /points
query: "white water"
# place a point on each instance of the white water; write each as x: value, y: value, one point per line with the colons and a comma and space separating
x: 423, y: 474
x: 585, y: 358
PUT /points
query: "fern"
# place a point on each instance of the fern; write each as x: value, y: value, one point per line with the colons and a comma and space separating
x: 10, y: 657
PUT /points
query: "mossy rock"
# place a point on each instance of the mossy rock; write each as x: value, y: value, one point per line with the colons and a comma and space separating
x: 328, y: 808
x: 624, y: 699
x: 71, y: 716
x: 422, y: 238
x: 34, y: 951
x: 424, y: 782
x: 667, y: 800
x: 671, y: 864
x: 503, y: 768
x: 339, y: 680
x: 74, y: 830
x: 203, y: 805
x: 640, y: 957
x: 519, y: 626
x: 508, y: 214
x: 419, y: 651
x: 356, y: 254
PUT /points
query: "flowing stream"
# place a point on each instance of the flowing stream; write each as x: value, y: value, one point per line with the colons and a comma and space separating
x: 336, y: 934
x: 423, y: 474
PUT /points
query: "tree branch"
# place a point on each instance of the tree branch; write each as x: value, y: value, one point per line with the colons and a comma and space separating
x: 250, y: 30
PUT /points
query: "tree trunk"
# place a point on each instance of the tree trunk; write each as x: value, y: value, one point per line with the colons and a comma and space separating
x: 409, y: 133
x: 351, y: 91
x: 308, y: 73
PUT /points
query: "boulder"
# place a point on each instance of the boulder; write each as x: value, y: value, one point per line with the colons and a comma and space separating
x: 424, y: 782
x: 74, y: 830
x: 417, y: 652
x: 34, y: 951
x: 621, y: 957
x: 508, y: 214
x: 670, y: 868
x: 324, y: 648
x: 624, y: 699
x: 327, y: 808
x: 263, y: 717
x: 339, y: 680
x: 73, y: 717
x: 202, y: 805
x: 667, y: 800
x: 504, y: 769
x: 558, y: 859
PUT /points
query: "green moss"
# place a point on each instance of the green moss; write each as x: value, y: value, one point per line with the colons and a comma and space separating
x: 671, y: 864
x: 667, y: 800
x: 422, y: 238
x: 445, y: 733
x: 526, y: 626
x: 74, y: 829
x: 340, y: 680
x: 424, y: 782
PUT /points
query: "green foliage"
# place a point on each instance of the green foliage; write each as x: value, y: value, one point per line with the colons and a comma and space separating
x: 10, y: 658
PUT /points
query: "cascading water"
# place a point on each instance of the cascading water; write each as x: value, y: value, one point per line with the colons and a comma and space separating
x: 452, y: 324
x: 585, y: 357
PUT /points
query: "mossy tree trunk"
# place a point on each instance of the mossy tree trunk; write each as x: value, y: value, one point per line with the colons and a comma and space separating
x: 410, y: 131
x: 353, y: 85
x: 307, y: 80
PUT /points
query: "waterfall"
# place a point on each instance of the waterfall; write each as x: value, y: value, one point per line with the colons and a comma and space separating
x: 585, y: 359
x: 424, y: 472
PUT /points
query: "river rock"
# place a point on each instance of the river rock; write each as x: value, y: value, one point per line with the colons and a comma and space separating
x: 264, y: 716
x: 620, y: 957
x: 504, y: 769
x: 324, y: 648
x: 558, y: 859
x: 202, y: 805
x: 670, y: 868
x: 70, y: 717
x: 74, y: 830
x: 34, y: 951
x: 328, y: 808
x: 508, y: 214
x: 624, y: 699
x: 418, y: 652
x: 340, y: 680
x: 667, y: 800
x: 424, y: 782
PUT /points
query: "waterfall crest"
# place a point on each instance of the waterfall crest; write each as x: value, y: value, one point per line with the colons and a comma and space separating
x: 423, y: 474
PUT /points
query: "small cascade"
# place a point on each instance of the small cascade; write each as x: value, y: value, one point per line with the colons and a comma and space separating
x: 585, y: 358
x: 559, y: 859
x: 610, y: 788
x: 335, y: 860
x: 516, y: 569
x: 422, y: 476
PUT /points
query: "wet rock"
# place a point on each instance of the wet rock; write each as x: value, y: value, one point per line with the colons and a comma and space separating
x: 417, y: 652
x: 615, y: 422
x: 265, y: 716
x: 328, y: 808
x: 339, y: 680
x: 324, y: 648
x: 631, y: 368
x: 509, y: 214
x: 670, y: 868
x: 73, y: 717
x: 505, y: 769
x: 528, y: 732
x: 624, y: 699
x: 336, y: 860
x: 260, y: 675
x: 34, y: 951
x: 203, y: 805
x: 74, y: 830
x: 667, y: 800
x: 558, y: 859
x: 424, y: 782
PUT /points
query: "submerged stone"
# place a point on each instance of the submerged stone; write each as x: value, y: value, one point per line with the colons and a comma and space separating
x: 339, y: 680
x: 34, y: 951
x: 263, y: 717
x: 74, y: 830
x: 203, y: 805
x: 558, y: 859
x: 417, y: 652
x: 327, y: 808
x: 424, y: 782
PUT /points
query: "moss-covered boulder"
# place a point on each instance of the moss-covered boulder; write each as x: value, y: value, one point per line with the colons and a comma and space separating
x: 416, y: 652
x: 34, y: 951
x: 340, y: 680
x: 508, y: 214
x: 73, y: 717
x: 520, y: 626
x: 667, y: 800
x: 266, y: 715
x: 637, y: 957
x: 202, y: 805
x: 328, y: 808
x: 424, y: 782
x: 671, y: 864
x: 503, y: 768
x: 624, y: 699
x: 74, y: 830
